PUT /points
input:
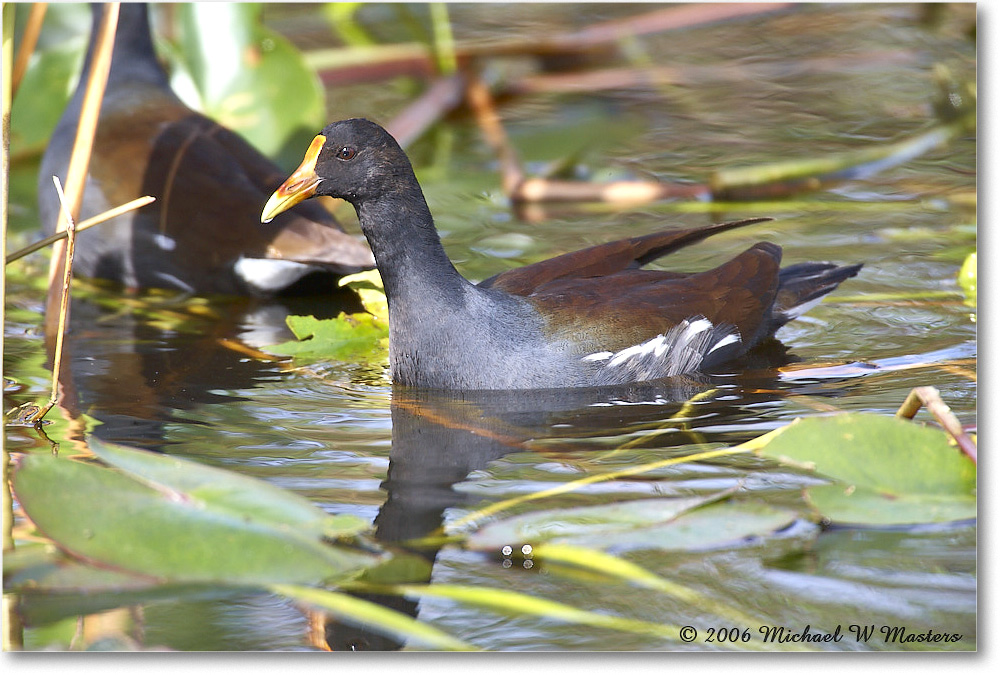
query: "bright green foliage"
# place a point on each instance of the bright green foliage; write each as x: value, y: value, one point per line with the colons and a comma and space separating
x: 358, y: 336
x: 886, y: 470
x: 42, y: 95
x: 248, y: 78
x: 369, y: 287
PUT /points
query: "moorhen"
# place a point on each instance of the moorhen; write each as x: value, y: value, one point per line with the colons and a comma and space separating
x: 587, y: 318
x: 202, y: 234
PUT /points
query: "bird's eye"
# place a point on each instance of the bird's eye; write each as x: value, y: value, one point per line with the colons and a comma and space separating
x: 346, y: 153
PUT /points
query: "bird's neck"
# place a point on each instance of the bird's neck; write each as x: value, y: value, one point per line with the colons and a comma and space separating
x: 411, y: 260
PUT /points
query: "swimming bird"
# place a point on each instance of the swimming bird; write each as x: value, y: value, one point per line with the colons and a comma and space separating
x: 592, y: 317
x: 202, y: 234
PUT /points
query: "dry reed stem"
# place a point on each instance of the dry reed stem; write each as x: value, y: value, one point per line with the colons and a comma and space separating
x: 481, y: 101
x: 88, y: 223
x: 443, y: 96
x: 929, y: 398
x: 63, y: 303
x: 80, y: 159
x: 28, y: 41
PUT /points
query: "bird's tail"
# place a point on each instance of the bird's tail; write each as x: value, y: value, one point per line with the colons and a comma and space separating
x: 802, y: 286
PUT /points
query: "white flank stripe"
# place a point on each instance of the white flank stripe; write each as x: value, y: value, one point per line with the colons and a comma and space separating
x: 728, y: 340
x: 695, y: 327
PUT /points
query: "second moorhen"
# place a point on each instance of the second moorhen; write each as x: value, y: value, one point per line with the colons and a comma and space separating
x: 202, y: 234
x: 587, y: 318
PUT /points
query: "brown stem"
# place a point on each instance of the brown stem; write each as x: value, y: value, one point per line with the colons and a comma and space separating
x: 481, y: 101
x: 80, y: 159
x: 929, y: 398
x: 440, y: 98
x: 88, y: 223
x: 28, y: 41
x: 63, y: 304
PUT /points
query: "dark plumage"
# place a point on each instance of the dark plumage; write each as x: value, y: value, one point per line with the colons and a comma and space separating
x: 202, y: 232
x: 591, y: 317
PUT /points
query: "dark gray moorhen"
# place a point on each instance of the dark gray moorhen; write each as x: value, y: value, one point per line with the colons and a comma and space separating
x: 587, y: 318
x: 202, y: 233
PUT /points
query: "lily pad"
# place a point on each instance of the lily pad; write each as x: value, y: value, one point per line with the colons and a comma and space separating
x: 169, y: 523
x: 225, y: 490
x: 886, y: 470
x: 346, y: 337
x: 663, y: 524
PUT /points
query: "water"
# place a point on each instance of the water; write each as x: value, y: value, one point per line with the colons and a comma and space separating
x: 814, y: 81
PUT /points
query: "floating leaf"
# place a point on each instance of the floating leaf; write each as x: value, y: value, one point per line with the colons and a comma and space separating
x: 887, y: 470
x: 713, y: 526
x: 369, y: 287
x: 168, y: 522
x: 666, y: 524
x: 226, y: 490
x: 565, y: 524
x: 346, y: 337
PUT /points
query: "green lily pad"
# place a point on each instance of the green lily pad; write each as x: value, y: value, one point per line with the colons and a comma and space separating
x: 713, y: 526
x: 886, y: 470
x: 851, y: 504
x: 225, y: 490
x: 169, y: 523
x: 560, y: 525
x: 686, y: 523
x: 346, y: 337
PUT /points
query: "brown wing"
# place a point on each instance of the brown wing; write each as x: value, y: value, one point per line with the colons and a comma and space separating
x: 605, y: 259
x: 630, y: 306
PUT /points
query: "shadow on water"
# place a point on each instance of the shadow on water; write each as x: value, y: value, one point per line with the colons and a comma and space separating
x: 440, y: 438
x: 134, y: 372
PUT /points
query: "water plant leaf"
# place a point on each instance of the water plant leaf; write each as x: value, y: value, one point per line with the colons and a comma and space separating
x: 44, y: 92
x: 886, y: 470
x: 178, y: 529
x: 666, y: 524
x: 850, y: 504
x: 248, y: 78
x: 565, y: 524
x: 227, y: 490
x: 713, y: 526
x: 369, y: 287
x: 347, y: 337
x: 373, y: 616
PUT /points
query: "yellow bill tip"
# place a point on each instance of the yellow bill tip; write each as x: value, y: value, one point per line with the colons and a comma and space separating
x: 298, y: 187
